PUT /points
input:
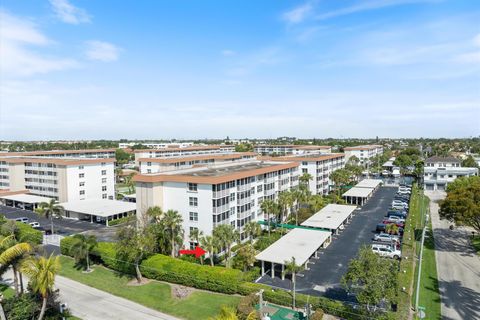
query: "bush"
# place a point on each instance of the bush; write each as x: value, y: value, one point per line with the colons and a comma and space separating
x: 116, y: 222
x: 28, y: 234
x: 318, y: 315
x: 108, y: 255
x: 65, y: 245
x: 252, y: 274
x: 246, y: 305
x: 265, y: 241
x: 169, y: 269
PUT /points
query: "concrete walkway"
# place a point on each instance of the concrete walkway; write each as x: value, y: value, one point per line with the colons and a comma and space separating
x: 458, y: 267
x: 89, y: 303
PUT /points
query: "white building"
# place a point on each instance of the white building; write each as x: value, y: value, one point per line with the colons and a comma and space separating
x: 64, y: 179
x: 155, y: 165
x: 319, y: 166
x: 86, y: 153
x: 363, y: 153
x: 210, y: 196
x: 157, y: 145
x: 179, y: 152
x: 290, y: 149
x: 440, y: 171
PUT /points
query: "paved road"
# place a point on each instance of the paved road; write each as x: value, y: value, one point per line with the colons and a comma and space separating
x: 89, y: 303
x: 458, y: 267
x: 324, y: 275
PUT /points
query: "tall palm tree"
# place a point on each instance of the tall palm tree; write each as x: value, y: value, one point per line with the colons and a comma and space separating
x: 268, y: 207
x: 227, y: 235
x: 195, y: 235
x: 210, y: 244
x: 12, y: 254
x: 317, y: 202
x: 172, y: 222
x: 284, y: 203
x: 42, y: 272
x: 82, y: 247
x: 292, y: 267
x: 50, y: 210
x: 305, y: 178
x: 252, y: 230
x: 155, y: 213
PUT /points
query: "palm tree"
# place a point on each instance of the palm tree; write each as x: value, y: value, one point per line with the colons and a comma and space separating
x: 82, y: 247
x: 247, y: 254
x: 130, y: 183
x: 210, y: 244
x: 292, y: 267
x: 268, y: 207
x: 12, y: 254
x: 226, y: 235
x: 226, y: 313
x: 284, y: 203
x: 305, y: 178
x: 42, y: 272
x: 155, y: 213
x: 50, y: 210
x: 195, y: 235
x: 252, y: 230
x: 317, y: 202
x: 172, y: 221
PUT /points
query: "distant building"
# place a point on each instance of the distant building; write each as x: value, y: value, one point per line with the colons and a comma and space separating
x: 288, y: 149
x: 180, y: 152
x: 440, y: 171
x: 363, y: 153
x: 161, y: 145
x: 87, y: 153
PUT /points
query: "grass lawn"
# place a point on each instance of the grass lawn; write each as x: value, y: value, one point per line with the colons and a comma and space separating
x: 429, y: 295
x: 6, y: 291
x: 476, y: 243
x: 155, y: 295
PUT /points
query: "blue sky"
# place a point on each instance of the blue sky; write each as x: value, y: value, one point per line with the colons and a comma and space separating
x: 85, y: 69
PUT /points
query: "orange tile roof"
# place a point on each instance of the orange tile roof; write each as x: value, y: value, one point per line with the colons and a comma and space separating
x: 192, y: 148
x: 199, y: 157
x: 301, y: 158
x: 59, y: 161
x: 189, y: 177
x: 33, y: 153
x: 367, y: 147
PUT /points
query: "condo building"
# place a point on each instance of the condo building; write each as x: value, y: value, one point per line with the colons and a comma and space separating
x: 291, y: 149
x: 63, y: 179
x: 221, y: 194
x: 87, y: 153
x: 179, y: 152
x: 363, y: 153
x: 319, y: 166
x: 438, y: 172
x: 155, y: 165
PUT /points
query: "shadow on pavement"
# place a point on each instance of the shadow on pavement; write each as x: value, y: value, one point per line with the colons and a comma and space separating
x: 465, y: 301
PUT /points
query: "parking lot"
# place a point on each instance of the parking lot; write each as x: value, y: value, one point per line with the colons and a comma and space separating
x: 325, y: 272
x: 62, y: 226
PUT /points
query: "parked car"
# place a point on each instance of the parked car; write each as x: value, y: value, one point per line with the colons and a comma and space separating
x: 34, y: 224
x: 394, y: 213
x: 398, y: 207
x: 396, y: 219
x: 386, y: 251
x: 22, y: 219
x: 385, y: 237
x: 400, y: 202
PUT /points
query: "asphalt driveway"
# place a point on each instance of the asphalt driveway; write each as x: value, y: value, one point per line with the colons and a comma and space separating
x: 324, y: 274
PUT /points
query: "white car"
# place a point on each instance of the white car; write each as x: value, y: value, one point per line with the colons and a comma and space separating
x: 34, y: 224
x: 399, y: 203
x: 386, y: 251
x: 22, y: 219
x: 385, y: 237
x: 396, y: 219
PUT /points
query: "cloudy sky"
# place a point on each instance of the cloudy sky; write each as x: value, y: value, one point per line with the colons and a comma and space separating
x: 86, y: 69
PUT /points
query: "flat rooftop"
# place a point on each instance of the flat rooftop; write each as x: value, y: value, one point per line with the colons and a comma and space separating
x: 358, y: 192
x: 330, y: 217
x: 298, y: 243
x: 99, y: 207
x: 369, y: 183
x: 26, y: 198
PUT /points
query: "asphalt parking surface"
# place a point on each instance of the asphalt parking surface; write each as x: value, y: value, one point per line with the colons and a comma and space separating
x: 61, y: 226
x: 325, y: 272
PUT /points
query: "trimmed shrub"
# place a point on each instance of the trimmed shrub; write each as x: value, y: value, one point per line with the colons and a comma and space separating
x: 116, y: 222
x: 318, y: 315
x: 246, y: 305
x: 65, y: 245
x: 109, y: 257
x: 28, y: 234
x: 169, y: 269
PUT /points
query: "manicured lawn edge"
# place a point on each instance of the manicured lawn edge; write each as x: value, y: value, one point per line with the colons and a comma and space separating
x: 476, y: 243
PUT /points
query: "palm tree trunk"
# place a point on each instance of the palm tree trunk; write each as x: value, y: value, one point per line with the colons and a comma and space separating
x: 210, y: 253
x: 268, y: 217
x: 88, y: 262
x: 51, y: 223
x: 2, y: 312
x: 138, y: 272
x: 173, y: 245
x: 15, y: 281
x: 44, y: 306
x: 20, y: 276
x: 293, y: 280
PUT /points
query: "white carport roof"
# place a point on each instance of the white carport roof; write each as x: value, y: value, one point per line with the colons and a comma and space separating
x: 298, y: 243
x: 368, y: 183
x: 330, y: 217
x: 99, y: 207
x: 358, y: 192
x: 26, y: 198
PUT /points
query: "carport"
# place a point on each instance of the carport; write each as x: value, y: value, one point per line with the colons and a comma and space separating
x: 23, y: 201
x: 369, y: 183
x: 300, y: 244
x: 98, y: 210
x: 333, y: 217
x: 358, y: 196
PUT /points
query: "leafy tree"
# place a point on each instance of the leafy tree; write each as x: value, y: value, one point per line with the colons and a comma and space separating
x: 226, y: 235
x: 284, y: 202
x: 353, y: 160
x: 244, y: 147
x: 354, y: 171
x: 210, y: 244
x: 317, y: 202
x: 245, y: 257
x: 42, y: 272
x: 13, y: 254
x: 340, y: 178
x: 172, y: 222
x: 470, y: 162
x: 268, y: 207
x: 252, y: 230
x: 403, y: 161
x: 50, y: 210
x: 122, y: 157
x: 292, y: 268
x: 372, y: 278
x: 82, y: 247
x: 462, y: 203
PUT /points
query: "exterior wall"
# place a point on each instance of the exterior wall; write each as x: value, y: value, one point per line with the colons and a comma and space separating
x: 363, y: 154
x: 16, y: 173
x: 438, y: 178
x: 178, y: 152
x: 4, y: 175
x: 288, y: 149
x: 320, y: 172
x: 93, y: 181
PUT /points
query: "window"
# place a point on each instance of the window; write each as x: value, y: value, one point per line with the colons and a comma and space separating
x: 82, y: 192
x: 81, y: 175
x: 193, y: 201
x: 104, y: 196
x: 104, y: 172
x: 149, y: 163
x: 104, y: 188
x: 149, y: 171
x: 304, y: 170
x: 193, y: 229
x: 192, y: 187
x: 80, y: 167
x: 232, y: 196
x: 82, y: 184
x: 193, y: 216
x: 104, y: 180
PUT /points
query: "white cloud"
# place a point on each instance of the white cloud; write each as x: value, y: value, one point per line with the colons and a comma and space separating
x: 17, y: 36
x: 298, y: 14
x: 228, y: 53
x: 68, y: 13
x: 102, y: 51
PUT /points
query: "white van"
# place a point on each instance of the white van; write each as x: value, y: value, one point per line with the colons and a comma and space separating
x: 385, y: 250
x: 22, y: 219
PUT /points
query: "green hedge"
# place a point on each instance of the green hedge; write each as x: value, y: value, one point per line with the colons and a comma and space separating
x: 116, y: 222
x: 169, y: 269
x: 65, y: 245
x: 28, y: 234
